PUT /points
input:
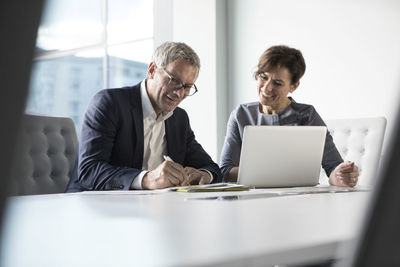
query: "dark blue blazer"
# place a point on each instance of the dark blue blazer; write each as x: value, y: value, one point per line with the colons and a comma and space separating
x: 111, y: 142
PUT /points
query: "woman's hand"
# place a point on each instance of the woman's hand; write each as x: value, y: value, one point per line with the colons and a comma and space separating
x: 345, y: 175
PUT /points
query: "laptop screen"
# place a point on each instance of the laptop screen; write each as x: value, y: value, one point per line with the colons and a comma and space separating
x: 281, y: 156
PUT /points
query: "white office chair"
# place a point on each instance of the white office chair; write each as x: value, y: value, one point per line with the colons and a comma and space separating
x: 45, y: 155
x: 359, y: 140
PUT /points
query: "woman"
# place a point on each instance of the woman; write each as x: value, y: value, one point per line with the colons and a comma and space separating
x: 278, y: 73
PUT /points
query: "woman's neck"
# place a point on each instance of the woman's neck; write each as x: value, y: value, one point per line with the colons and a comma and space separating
x: 273, y: 110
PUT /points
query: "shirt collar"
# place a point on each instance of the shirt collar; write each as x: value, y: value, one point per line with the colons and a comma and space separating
x: 147, y: 108
x: 288, y: 109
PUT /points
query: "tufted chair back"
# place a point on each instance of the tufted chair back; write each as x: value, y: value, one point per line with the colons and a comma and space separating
x: 45, y: 155
x: 359, y: 140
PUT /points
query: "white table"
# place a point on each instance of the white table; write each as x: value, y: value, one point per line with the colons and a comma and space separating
x: 177, y: 229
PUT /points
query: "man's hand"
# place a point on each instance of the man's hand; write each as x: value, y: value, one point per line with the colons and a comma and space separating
x: 196, y: 176
x: 345, y: 175
x: 167, y: 174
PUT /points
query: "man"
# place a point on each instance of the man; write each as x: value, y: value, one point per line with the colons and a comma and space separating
x: 137, y: 138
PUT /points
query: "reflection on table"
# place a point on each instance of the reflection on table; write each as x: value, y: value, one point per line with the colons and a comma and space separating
x: 159, y: 228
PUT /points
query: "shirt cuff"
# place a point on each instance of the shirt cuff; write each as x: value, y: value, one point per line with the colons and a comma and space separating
x: 212, y: 177
x: 137, y: 182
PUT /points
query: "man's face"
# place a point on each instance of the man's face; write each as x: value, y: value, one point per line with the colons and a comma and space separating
x: 162, y: 97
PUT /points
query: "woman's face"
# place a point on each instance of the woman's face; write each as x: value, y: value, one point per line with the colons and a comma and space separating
x: 273, y: 88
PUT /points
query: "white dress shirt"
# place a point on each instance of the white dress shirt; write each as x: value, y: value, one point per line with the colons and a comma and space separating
x: 155, y: 143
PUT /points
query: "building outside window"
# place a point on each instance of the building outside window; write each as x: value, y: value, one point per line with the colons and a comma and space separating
x: 85, y: 46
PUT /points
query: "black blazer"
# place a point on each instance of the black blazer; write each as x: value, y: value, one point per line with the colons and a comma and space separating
x: 111, y: 142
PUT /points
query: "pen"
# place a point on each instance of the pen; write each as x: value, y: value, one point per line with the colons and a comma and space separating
x: 168, y: 158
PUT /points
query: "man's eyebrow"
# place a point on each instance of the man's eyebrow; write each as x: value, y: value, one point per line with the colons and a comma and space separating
x: 174, y: 76
x: 179, y: 80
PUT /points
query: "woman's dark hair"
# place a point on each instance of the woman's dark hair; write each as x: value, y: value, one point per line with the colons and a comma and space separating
x: 282, y: 56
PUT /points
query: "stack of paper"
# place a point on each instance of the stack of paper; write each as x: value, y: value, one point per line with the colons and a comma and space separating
x: 211, y: 188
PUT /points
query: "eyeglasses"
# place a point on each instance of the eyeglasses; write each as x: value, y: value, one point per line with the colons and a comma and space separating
x: 176, y: 85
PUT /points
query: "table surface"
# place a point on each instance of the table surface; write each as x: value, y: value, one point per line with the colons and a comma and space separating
x: 151, y: 228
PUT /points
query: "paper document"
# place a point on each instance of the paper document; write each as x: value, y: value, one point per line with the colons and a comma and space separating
x: 314, y: 190
x: 210, y: 188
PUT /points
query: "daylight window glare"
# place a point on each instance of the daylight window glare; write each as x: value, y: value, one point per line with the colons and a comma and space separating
x: 78, y: 53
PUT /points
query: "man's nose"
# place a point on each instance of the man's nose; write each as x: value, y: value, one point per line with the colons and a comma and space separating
x: 180, y: 92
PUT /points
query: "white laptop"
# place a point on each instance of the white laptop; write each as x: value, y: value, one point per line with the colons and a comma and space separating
x: 281, y: 156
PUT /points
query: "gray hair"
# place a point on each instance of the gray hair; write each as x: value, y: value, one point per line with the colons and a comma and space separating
x: 171, y: 51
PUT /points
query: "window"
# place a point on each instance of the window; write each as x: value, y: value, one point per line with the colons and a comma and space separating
x: 85, y: 46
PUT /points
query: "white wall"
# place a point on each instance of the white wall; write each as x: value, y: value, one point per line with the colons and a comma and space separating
x: 202, y: 25
x: 351, y: 48
x: 163, y: 28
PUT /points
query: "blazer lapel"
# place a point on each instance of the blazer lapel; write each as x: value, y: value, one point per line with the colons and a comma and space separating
x: 175, y: 140
x: 137, y: 125
x: 170, y: 139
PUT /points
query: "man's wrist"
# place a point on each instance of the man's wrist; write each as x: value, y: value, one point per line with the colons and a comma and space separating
x: 137, y: 182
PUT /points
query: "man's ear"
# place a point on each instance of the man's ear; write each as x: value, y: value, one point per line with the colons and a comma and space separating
x: 151, y: 70
x: 293, y: 87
